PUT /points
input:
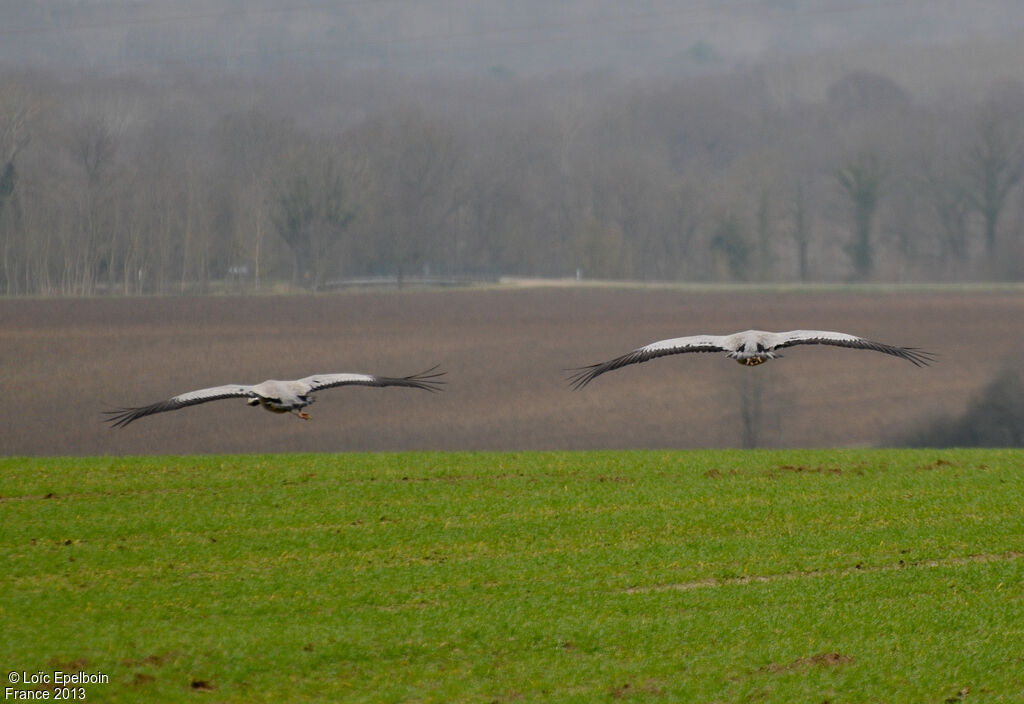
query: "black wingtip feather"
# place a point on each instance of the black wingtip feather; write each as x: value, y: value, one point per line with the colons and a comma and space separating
x: 915, y: 355
x: 120, y: 417
x: 585, y: 375
x: 426, y: 380
x: 919, y: 357
x: 581, y: 376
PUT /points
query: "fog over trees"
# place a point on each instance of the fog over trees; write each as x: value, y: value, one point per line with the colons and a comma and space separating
x: 170, y: 147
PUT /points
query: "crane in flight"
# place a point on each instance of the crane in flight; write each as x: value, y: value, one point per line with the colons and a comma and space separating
x: 276, y: 396
x: 750, y: 347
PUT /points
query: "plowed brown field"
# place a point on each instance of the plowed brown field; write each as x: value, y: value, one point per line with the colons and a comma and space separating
x: 506, y: 351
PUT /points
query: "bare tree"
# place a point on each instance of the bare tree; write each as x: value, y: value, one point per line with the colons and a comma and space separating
x: 412, y: 167
x: 313, y: 211
x: 11, y: 249
x: 801, y: 230
x: 861, y: 180
x: 765, y: 233
x: 251, y: 146
x: 729, y: 241
x: 92, y: 145
x: 993, y: 168
x: 165, y: 195
x: 947, y: 195
x: 197, y: 244
x: 519, y: 212
x: 602, y: 250
x: 16, y: 112
x: 631, y: 191
x: 686, y: 210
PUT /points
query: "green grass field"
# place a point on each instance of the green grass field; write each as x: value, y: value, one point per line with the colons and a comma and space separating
x: 704, y: 576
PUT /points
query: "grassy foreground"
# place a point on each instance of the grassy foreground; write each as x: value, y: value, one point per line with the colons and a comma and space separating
x: 783, y: 576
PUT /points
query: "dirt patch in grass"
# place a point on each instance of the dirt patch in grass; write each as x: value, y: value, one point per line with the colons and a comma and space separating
x: 712, y: 582
x: 644, y: 691
x: 803, y: 469
x: 150, y: 660
x: 939, y: 464
x: 819, y: 660
x: 506, y: 352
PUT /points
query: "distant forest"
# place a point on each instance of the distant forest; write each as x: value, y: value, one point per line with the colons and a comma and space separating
x: 186, y: 180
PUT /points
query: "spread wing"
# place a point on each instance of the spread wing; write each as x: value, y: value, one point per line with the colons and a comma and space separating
x: 677, y: 345
x: 915, y: 355
x: 424, y: 380
x: 123, y: 416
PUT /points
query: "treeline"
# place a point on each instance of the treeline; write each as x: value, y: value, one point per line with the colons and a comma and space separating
x: 171, y: 183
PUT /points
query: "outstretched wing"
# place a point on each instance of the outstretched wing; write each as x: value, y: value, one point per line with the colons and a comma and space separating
x: 677, y: 345
x: 123, y: 416
x: 915, y: 355
x: 424, y: 380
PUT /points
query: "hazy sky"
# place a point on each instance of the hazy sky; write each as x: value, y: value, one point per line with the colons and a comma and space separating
x: 521, y: 37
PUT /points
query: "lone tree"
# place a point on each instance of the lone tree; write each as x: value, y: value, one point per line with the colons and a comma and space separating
x: 313, y: 214
x: 994, y: 166
x: 8, y: 179
x: 861, y: 180
x: 15, y: 114
x: 801, y: 231
x: 730, y: 243
x: 413, y: 168
x: 945, y: 192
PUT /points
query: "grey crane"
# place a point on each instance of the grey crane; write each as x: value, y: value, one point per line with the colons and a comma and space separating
x: 750, y: 347
x: 290, y: 396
